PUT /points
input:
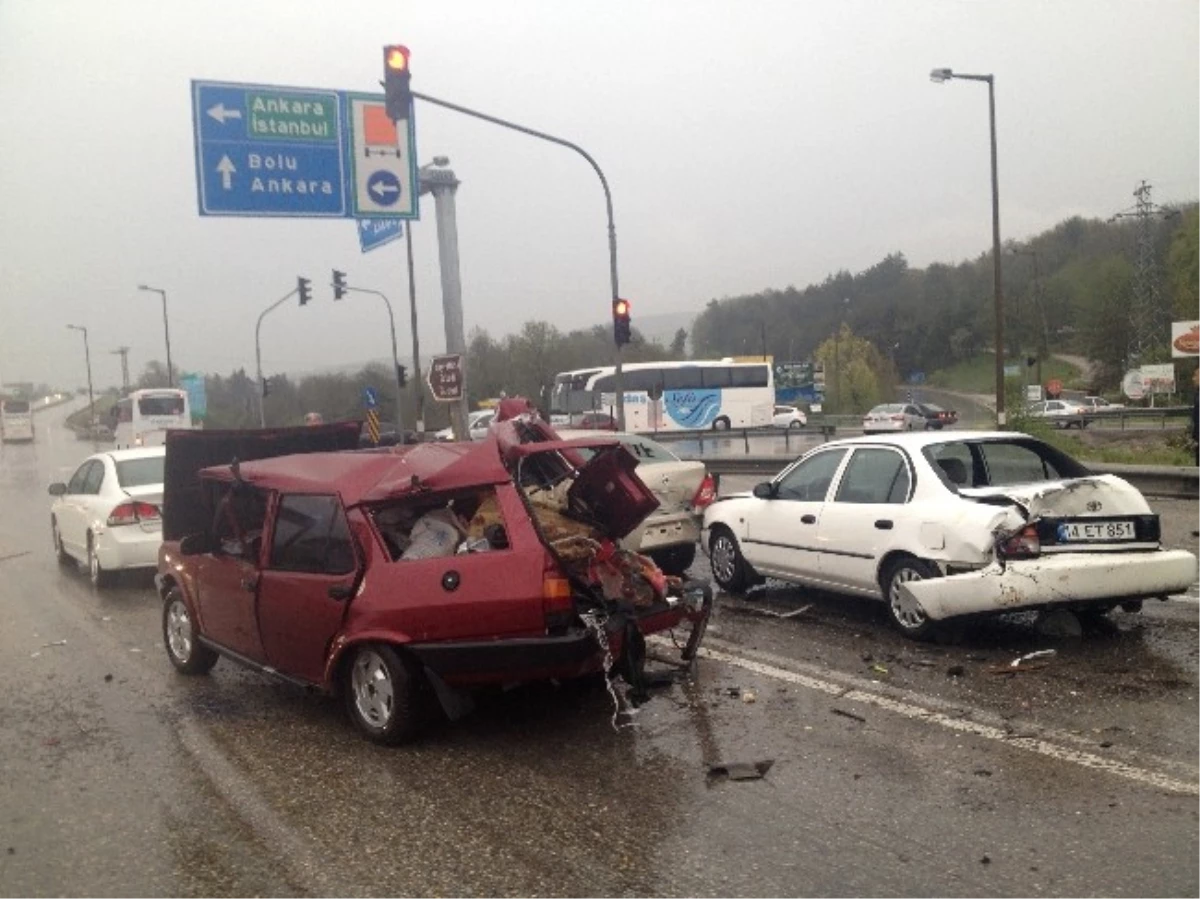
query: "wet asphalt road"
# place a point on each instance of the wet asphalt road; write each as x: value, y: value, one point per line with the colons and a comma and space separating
x: 890, y: 777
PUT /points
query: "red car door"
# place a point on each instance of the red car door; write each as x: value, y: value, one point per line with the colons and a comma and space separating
x: 226, y: 586
x: 306, y: 583
x: 229, y: 575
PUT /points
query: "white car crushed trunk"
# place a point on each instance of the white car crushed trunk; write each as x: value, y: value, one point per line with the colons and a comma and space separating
x: 1103, y: 546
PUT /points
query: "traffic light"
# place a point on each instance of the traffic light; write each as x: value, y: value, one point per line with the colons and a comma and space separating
x: 1030, y: 361
x: 266, y: 387
x: 304, y: 288
x: 339, y: 284
x: 401, y: 376
x: 621, y: 327
x: 396, y: 77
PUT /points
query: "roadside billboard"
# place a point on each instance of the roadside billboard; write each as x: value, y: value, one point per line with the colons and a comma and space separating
x: 799, y: 382
x: 1159, y: 378
x: 1185, y: 340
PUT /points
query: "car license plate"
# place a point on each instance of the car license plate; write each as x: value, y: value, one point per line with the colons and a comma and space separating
x: 1093, y: 531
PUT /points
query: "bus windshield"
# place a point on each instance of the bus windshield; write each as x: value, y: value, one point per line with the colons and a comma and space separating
x: 161, y: 404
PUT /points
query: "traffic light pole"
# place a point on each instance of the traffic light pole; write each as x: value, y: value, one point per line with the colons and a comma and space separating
x: 262, y: 408
x: 416, y: 342
x: 395, y: 357
x: 612, y: 228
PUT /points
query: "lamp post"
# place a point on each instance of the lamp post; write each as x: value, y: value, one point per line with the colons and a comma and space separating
x: 87, y: 358
x: 1037, y: 298
x: 166, y: 330
x: 608, y: 209
x: 940, y: 76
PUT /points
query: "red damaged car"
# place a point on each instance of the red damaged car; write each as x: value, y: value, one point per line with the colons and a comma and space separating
x: 394, y: 577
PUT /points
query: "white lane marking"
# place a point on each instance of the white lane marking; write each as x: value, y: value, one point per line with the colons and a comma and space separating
x: 986, y: 731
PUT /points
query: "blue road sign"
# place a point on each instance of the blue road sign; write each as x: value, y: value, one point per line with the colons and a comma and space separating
x: 269, y: 151
x: 370, y: 397
x: 384, y: 187
x: 374, y: 233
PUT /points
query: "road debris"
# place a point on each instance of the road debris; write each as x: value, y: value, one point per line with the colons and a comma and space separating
x: 768, y: 613
x: 1030, y: 656
x: 54, y: 643
x: 108, y: 678
x: 749, y: 696
x: 955, y: 671
x: 851, y: 715
x: 879, y: 669
x: 740, y: 770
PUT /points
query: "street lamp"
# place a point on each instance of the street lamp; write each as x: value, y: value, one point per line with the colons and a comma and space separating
x: 166, y: 330
x: 87, y: 357
x: 941, y: 76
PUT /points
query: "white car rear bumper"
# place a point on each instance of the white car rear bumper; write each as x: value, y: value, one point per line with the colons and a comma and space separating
x: 129, y: 546
x: 1055, y: 579
x: 659, y: 532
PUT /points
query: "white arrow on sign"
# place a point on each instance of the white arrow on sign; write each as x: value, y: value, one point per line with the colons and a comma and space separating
x: 226, y: 168
x: 382, y: 189
x: 220, y: 113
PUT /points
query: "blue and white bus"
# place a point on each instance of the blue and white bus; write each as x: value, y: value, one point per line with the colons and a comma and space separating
x: 671, y: 396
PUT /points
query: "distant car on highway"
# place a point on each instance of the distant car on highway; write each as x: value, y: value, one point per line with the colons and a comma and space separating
x: 597, y: 421
x: 788, y: 417
x: 1060, y: 413
x: 945, y: 525
x: 936, y: 417
x: 893, y: 417
x: 1099, y: 404
x: 478, y: 423
x: 107, y: 516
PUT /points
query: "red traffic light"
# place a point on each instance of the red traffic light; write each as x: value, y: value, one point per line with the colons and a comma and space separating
x: 621, y: 308
x: 395, y: 58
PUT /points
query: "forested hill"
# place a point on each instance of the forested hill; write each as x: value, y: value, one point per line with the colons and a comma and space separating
x: 933, y: 317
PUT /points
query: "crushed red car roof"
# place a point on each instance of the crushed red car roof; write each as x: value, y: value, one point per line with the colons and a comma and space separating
x: 363, y: 477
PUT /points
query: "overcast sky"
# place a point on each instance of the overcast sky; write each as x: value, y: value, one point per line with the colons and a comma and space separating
x: 748, y: 145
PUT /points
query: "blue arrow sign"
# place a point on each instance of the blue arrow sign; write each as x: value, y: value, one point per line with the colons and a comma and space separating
x: 269, y: 151
x: 384, y: 187
x: 370, y: 398
x: 374, y: 233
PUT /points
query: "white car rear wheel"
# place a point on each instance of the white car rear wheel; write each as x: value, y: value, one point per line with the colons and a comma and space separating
x: 906, y: 616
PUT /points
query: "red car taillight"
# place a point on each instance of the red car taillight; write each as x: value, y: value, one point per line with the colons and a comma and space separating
x: 558, y: 607
x: 897, y: 418
x: 132, y: 513
x: 1024, y: 544
x: 707, y: 494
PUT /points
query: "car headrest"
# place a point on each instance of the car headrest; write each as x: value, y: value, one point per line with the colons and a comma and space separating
x: 955, y: 470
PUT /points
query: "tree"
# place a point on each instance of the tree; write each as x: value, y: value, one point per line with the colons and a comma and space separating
x: 679, y: 344
x: 1183, y: 268
x: 857, y: 376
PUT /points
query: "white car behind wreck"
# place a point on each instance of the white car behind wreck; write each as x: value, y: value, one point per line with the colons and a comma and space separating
x: 941, y: 526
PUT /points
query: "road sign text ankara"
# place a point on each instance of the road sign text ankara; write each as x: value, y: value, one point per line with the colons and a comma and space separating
x: 446, y: 378
x: 287, y: 151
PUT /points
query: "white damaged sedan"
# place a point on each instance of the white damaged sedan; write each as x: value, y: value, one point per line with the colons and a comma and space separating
x: 940, y: 526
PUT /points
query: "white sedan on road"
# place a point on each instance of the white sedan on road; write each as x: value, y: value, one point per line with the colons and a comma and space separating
x: 940, y: 526
x: 893, y: 417
x: 1061, y: 413
x: 107, y: 516
x: 788, y: 417
x: 478, y: 423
